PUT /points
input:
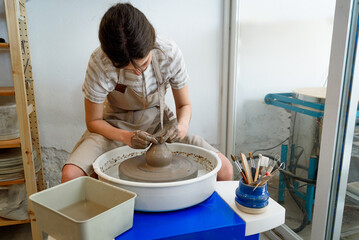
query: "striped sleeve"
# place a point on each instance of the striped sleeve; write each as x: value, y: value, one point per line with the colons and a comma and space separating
x: 178, y: 76
x: 95, y: 87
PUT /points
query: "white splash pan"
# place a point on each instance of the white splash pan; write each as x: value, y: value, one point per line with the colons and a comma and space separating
x: 166, y: 196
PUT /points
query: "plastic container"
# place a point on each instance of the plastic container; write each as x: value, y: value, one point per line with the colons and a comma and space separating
x: 9, y: 127
x: 250, y: 201
x: 84, y: 208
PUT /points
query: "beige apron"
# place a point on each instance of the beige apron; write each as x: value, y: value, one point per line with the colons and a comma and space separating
x: 127, y: 110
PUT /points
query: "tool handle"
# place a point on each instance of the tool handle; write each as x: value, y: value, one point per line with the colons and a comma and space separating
x: 246, y: 168
x: 244, y: 178
x: 256, y: 174
x: 253, y: 172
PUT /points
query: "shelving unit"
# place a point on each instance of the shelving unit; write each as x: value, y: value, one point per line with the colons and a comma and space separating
x: 6, y: 222
x: 12, y: 143
x: 7, y: 91
x: 4, y: 45
x: 23, y: 91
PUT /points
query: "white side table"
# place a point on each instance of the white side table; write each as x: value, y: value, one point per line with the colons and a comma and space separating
x: 273, y: 217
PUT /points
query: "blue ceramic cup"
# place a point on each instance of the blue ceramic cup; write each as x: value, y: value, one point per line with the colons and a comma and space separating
x: 251, y: 201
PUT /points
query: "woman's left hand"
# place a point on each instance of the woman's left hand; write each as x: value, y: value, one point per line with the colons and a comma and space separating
x: 169, y: 133
x: 182, y: 130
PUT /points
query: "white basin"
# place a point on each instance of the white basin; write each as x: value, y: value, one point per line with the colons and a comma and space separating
x: 165, y: 196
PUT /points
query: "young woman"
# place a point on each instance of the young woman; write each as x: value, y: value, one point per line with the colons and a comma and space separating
x: 124, y: 88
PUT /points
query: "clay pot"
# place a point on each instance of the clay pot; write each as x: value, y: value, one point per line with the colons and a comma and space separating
x: 159, y: 155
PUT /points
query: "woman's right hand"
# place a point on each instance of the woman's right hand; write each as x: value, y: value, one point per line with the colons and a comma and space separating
x: 95, y: 123
x: 141, y: 139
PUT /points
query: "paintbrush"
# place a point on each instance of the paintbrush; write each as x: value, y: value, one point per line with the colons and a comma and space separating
x: 252, y: 162
x: 235, y: 160
x: 236, y: 163
x: 264, y: 164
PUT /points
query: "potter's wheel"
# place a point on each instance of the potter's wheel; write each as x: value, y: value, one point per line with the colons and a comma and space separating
x: 137, y: 169
x: 168, y: 195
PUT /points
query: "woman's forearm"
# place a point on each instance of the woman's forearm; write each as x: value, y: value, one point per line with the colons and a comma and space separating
x: 96, y: 124
x: 183, y: 110
x: 107, y: 130
x: 184, y: 114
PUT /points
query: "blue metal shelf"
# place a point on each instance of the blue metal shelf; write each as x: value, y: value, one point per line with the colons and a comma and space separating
x: 289, y: 102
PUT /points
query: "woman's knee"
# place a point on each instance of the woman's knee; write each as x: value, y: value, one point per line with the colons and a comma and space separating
x: 70, y: 172
x: 226, y: 171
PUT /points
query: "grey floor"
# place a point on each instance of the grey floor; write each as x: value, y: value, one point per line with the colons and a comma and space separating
x: 293, y: 214
x: 350, y: 224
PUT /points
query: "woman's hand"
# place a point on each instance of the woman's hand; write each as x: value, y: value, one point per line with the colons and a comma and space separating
x: 183, y: 110
x: 169, y: 133
x: 182, y: 130
x: 140, y: 139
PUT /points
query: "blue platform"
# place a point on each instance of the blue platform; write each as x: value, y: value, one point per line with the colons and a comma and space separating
x: 211, y: 219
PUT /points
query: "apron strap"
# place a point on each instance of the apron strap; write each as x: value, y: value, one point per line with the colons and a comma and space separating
x: 161, y: 85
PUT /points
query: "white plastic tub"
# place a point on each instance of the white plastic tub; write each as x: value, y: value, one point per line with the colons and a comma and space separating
x: 9, y: 128
x: 166, y: 196
x: 85, y: 196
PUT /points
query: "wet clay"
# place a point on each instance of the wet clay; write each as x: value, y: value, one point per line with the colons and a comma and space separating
x: 158, y: 164
x: 159, y: 155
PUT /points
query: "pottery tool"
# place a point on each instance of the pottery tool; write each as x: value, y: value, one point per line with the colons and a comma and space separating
x: 252, y: 163
x: 266, y: 178
x: 240, y: 170
x: 270, y: 168
x: 273, y: 163
x: 263, y: 180
x: 246, y: 168
x: 257, y: 168
x: 258, y: 180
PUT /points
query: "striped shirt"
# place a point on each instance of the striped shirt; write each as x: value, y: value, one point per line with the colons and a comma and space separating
x: 102, y: 77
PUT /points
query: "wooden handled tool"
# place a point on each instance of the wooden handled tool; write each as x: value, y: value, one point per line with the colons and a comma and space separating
x: 246, y: 168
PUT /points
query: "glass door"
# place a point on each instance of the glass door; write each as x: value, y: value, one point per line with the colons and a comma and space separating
x: 337, y: 215
x: 283, y: 50
x: 294, y: 99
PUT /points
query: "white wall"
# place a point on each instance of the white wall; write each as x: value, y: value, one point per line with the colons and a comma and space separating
x: 284, y: 45
x: 63, y: 34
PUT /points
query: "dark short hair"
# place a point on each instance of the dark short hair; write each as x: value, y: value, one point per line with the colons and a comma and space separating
x: 126, y: 35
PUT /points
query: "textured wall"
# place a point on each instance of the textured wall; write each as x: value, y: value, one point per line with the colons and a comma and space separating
x: 53, y: 159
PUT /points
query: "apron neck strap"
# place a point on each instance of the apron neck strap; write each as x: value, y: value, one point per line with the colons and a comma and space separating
x: 161, y: 86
